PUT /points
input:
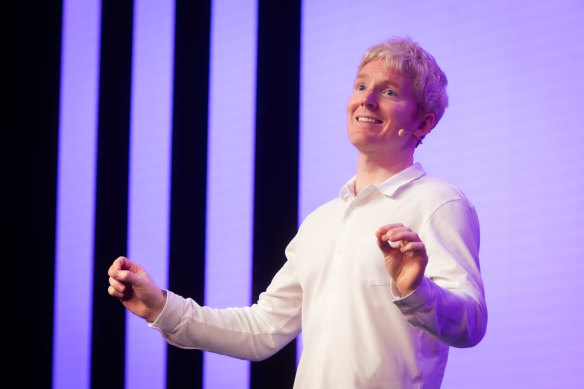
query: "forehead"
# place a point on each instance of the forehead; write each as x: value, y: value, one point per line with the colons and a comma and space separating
x: 379, y: 72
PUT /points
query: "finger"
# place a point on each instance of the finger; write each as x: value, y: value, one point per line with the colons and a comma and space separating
x: 393, y: 236
x: 411, y: 247
x: 127, y: 277
x: 393, y: 243
x: 134, y: 268
x: 404, y: 235
x: 383, y: 242
x: 117, y: 285
x: 379, y: 234
x: 385, y: 234
x: 115, y: 293
x: 118, y: 264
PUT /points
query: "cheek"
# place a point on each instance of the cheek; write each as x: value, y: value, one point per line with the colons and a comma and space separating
x: 352, y: 104
x: 397, y: 115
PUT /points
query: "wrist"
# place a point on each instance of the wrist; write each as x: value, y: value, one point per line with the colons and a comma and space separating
x: 159, y: 307
x: 402, y: 290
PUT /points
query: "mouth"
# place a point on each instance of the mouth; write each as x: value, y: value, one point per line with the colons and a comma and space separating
x: 366, y: 119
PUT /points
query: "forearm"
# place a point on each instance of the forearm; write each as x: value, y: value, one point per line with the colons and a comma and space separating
x: 238, y: 332
x: 457, y: 318
x: 255, y: 332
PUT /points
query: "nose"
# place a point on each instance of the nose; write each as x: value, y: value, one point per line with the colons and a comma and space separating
x: 369, y: 100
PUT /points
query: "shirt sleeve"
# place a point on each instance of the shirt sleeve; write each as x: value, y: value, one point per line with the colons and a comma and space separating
x: 253, y: 333
x: 450, y: 301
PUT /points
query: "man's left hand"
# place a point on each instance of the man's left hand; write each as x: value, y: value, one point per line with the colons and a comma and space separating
x: 405, y: 256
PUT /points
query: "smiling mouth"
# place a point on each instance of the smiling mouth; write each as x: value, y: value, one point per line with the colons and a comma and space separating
x: 365, y: 119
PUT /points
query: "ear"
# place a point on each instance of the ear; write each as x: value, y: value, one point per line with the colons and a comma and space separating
x: 425, y: 125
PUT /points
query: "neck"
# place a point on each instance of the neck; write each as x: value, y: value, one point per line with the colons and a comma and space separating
x: 373, y: 169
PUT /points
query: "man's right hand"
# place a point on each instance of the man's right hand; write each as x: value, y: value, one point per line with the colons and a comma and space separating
x: 132, y: 285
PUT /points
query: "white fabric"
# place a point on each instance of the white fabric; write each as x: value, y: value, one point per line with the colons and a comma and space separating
x: 334, y: 286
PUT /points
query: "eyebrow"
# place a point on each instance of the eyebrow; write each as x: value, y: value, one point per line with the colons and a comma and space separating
x: 384, y: 82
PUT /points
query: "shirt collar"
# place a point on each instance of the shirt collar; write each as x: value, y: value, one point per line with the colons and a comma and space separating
x: 388, y: 187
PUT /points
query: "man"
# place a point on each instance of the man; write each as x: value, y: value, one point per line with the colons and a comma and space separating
x: 381, y: 280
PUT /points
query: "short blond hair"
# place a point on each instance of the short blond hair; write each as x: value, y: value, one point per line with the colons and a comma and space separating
x: 409, y: 59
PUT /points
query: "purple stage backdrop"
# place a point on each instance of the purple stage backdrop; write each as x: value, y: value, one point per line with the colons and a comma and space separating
x: 511, y: 139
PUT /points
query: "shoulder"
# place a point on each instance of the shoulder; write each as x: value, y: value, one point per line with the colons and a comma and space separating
x: 429, y: 197
x: 324, y: 212
x: 433, y: 190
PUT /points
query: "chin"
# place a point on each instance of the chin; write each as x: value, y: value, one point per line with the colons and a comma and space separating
x: 363, y: 145
x: 362, y: 137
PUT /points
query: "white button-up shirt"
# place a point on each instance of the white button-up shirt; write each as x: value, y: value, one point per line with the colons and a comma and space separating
x: 335, y: 288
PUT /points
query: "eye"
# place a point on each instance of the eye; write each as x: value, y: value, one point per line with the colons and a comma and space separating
x: 389, y: 92
x: 359, y: 87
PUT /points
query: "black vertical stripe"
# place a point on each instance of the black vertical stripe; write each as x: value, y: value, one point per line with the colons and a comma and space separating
x: 189, y: 165
x: 276, y: 163
x: 111, y: 213
x: 30, y: 133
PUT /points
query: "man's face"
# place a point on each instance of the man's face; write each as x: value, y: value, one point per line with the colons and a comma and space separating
x: 381, y: 104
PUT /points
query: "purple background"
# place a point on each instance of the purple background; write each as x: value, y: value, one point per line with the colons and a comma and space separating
x: 512, y: 140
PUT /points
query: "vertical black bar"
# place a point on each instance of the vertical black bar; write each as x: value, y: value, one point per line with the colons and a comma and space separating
x: 189, y: 165
x: 111, y: 213
x: 276, y: 163
x: 30, y: 151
